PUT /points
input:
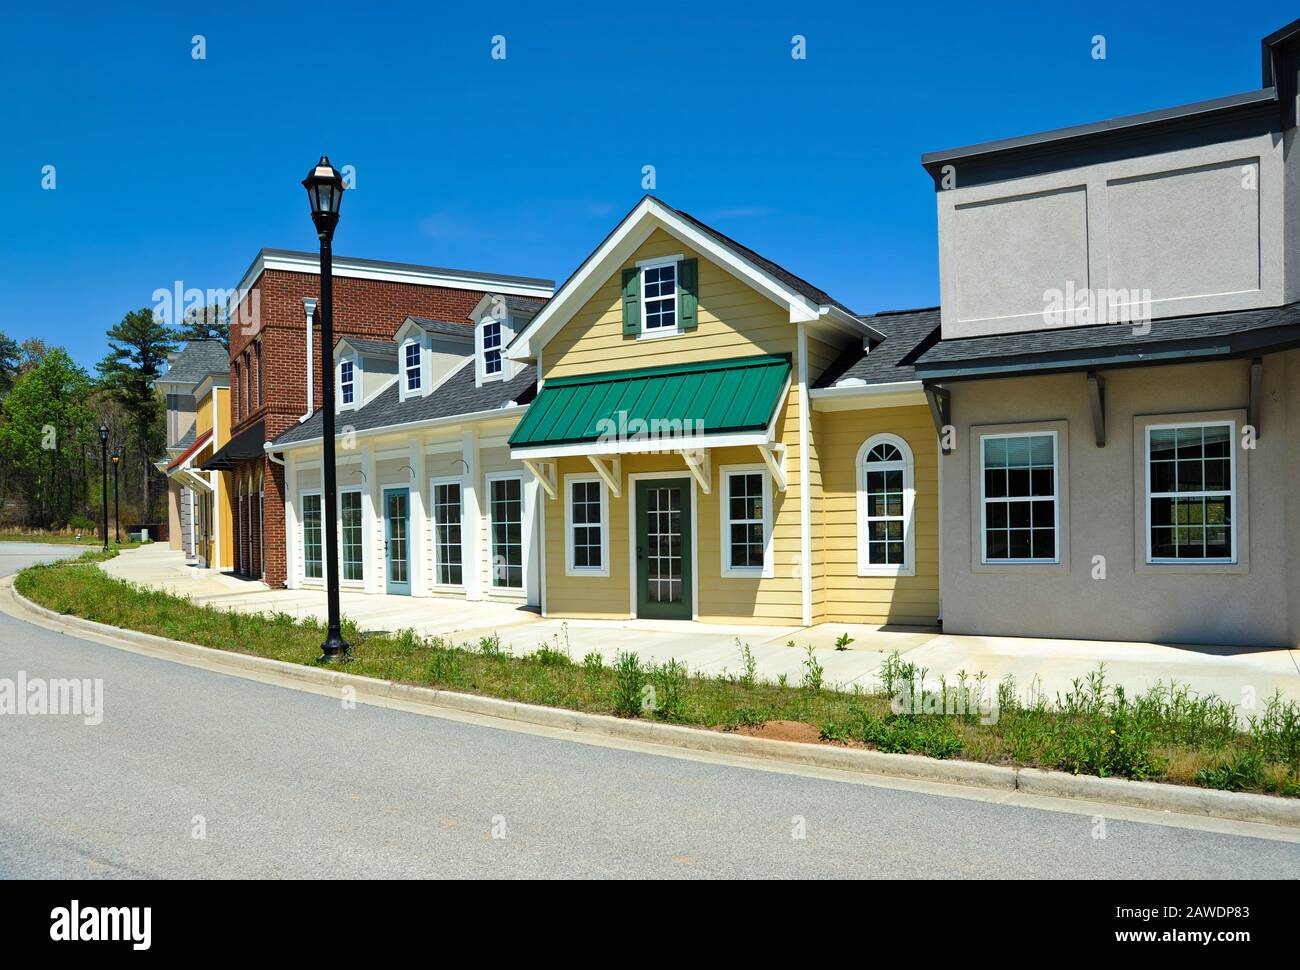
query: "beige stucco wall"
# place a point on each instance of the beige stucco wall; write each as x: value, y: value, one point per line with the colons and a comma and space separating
x: 1133, y: 601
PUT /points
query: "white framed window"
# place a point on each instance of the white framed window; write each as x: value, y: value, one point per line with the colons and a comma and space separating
x: 491, y: 348
x: 1191, y: 492
x: 1019, y: 493
x: 312, y: 535
x: 746, y: 521
x: 448, y: 555
x: 411, y: 366
x: 659, y: 296
x: 587, y: 533
x: 351, y: 541
x: 347, y: 382
x: 886, y: 507
x: 506, y: 531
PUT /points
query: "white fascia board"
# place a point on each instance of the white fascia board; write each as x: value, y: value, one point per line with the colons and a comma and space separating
x: 513, y: 411
x: 650, y: 446
x: 852, y: 397
x: 649, y: 215
x: 846, y: 323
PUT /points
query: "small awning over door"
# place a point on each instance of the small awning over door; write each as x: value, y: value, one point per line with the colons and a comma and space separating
x: 710, y: 404
x: 243, y: 446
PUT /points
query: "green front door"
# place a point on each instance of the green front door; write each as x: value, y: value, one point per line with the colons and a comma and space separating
x: 663, y: 549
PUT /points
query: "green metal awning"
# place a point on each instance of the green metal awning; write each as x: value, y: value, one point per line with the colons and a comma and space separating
x: 708, y: 404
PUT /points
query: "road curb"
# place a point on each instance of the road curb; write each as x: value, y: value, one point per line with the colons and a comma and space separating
x: 1234, y: 806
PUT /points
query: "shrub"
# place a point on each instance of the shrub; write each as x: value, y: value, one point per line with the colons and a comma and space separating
x: 813, y: 671
x: 549, y: 657
x: 670, y: 683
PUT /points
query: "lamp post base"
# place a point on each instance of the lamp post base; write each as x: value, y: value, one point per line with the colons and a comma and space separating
x: 335, y: 648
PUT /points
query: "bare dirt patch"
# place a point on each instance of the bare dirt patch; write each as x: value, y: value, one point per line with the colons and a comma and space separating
x: 782, y: 731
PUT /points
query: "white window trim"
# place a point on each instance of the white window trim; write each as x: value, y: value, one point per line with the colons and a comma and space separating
x: 525, y: 550
x: 403, y: 387
x: 503, y: 329
x: 1234, y: 528
x: 569, y: 568
x: 302, y: 532
x: 676, y: 328
x: 351, y: 583
x: 1056, y: 500
x: 433, y: 528
x: 908, y: 566
x: 356, y: 384
x: 768, y: 569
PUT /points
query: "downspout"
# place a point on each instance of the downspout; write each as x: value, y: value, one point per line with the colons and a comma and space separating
x: 309, y: 306
x: 805, y: 466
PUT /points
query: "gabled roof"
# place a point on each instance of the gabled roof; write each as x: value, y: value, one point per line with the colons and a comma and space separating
x: 454, y: 397
x: 907, y: 332
x: 199, y: 359
x: 1170, y: 339
x: 805, y: 301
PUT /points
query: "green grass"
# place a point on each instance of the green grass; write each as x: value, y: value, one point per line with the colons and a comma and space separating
x: 64, y: 539
x: 1167, y: 734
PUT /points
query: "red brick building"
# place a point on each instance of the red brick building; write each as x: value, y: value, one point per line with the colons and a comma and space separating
x: 273, y: 336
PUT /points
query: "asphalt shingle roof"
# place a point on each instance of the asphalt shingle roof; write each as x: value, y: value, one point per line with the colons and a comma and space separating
x: 1114, y: 337
x: 890, y: 360
x: 374, y: 348
x: 447, y: 328
x: 199, y: 359
x: 455, y: 396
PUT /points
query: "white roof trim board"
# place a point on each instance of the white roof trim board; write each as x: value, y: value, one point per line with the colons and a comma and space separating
x: 651, y: 214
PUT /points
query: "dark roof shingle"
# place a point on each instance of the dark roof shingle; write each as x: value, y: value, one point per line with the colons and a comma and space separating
x: 199, y: 359
x: 906, y: 332
x: 457, y: 395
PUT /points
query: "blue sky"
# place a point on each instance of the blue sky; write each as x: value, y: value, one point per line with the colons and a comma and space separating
x: 170, y: 168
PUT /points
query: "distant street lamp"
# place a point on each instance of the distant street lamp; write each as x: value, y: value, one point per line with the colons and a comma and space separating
x: 103, y: 455
x: 324, y: 187
x: 116, y: 458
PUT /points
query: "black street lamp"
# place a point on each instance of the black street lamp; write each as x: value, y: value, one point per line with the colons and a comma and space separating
x: 103, y: 456
x: 324, y: 187
x: 116, y: 458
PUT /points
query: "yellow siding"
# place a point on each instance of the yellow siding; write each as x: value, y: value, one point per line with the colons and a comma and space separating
x: 851, y: 598
x: 734, y: 321
x: 722, y: 599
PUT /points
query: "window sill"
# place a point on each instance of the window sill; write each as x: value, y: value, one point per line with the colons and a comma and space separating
x: 660, y: 334
x: 751, y: 573
x: 592, y: 573
x: 1042, y: 567
x: 887, y: 571
x: 1183, y: 567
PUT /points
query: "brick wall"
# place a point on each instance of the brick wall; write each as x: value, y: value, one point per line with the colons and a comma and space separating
x: 372, y: 309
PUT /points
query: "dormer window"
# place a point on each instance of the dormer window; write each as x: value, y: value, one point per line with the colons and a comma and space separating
x: 659, y: 301
x: 347, y: 383
x: 411, y: 366
x: 492, y: 348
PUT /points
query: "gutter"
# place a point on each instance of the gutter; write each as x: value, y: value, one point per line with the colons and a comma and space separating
x: 837, y: 391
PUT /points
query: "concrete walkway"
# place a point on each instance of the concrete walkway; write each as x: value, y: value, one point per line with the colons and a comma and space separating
x: 1243, y: 675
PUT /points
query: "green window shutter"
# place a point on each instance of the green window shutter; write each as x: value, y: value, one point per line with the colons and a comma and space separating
x: 688, y: 293
x: 631, y: 301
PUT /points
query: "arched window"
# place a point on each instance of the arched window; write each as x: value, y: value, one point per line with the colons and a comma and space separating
x: 886, y: 500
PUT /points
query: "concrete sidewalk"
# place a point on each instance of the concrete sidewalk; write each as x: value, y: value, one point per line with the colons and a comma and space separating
x: 1236, y: 674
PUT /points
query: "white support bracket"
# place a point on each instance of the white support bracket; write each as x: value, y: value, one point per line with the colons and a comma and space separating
x: 544, y: 472
x: 701, y: 469
x: 611, y: 476
x: 774, y: 455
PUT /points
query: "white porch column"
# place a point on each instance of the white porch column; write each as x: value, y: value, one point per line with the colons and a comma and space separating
x: 372, y: 524
x: 291, y: 577
x: 533, y: 501
x: 471, y: 528
x: 418, y: 553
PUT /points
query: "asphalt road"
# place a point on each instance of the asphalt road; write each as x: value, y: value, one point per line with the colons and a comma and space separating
x: 283, y: 783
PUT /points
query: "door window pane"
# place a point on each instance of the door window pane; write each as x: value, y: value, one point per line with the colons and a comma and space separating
x: 311, y: 536
x: 446, y: 523
x: 350, y: 521
x: 507, y: 517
